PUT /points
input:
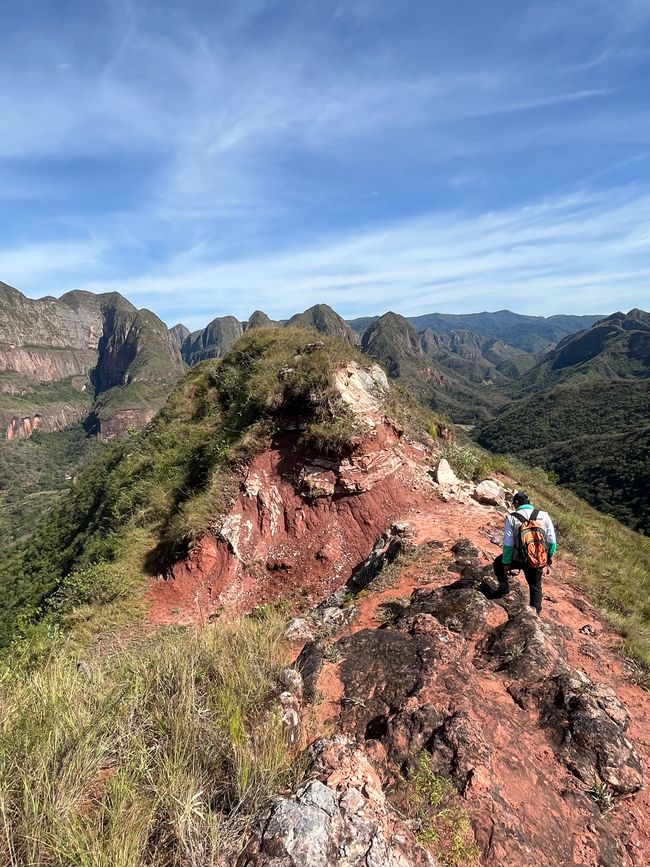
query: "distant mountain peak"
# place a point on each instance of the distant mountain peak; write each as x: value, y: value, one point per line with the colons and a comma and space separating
x: 326, y: 320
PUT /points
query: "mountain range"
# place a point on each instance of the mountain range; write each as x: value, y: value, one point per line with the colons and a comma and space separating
x: 81, y: 357
x: 551, y: 390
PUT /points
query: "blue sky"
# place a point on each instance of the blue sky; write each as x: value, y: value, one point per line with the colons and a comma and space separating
x: 206, y: 158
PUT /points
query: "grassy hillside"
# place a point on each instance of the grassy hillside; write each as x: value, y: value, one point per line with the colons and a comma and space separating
x: 160, y: 753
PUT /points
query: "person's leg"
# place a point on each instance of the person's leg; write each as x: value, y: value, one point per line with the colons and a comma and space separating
x: 534, y: 579
x: 500, y: 570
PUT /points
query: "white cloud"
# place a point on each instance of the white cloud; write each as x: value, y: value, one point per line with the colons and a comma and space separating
x: 583, y: 253
x: 45, y: 264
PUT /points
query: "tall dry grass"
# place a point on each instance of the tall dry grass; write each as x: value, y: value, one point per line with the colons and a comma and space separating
x: 160, y: 754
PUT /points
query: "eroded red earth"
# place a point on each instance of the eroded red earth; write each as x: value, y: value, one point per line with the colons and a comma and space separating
x: 298, y: 531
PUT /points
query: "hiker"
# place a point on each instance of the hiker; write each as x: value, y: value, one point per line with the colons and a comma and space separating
x: 528, y: 544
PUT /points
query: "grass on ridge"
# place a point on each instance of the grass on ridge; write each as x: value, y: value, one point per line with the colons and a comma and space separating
x: 159, y: 754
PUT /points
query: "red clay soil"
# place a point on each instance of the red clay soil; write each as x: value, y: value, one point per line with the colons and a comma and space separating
x: 280, y: 541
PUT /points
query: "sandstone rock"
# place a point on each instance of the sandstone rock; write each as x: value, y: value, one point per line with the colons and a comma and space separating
x: 362, y: 390
x: 380, y: 670
x: 590, y: 725
x: 490, y: 493
x: 460, y: 609
x: 528, y: 649
x: 386, y: 549
x: 445, y: 476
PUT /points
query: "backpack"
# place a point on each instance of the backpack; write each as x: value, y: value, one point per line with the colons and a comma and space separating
x: 532, y: 540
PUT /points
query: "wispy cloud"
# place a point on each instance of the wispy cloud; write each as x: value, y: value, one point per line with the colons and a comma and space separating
x: 221, y: 150
x: 580, y: 253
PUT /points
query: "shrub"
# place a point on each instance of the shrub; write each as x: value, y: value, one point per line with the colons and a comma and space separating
x: 462, y: 459
x: 95, y: 585
x: 435, y: 803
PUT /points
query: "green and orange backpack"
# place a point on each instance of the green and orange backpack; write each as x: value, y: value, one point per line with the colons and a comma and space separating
x: 532, y: 540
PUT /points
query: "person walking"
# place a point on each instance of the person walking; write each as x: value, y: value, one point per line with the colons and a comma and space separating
x: 529, y: 544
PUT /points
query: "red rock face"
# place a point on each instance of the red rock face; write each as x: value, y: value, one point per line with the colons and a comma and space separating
x: 57, y: 418
x: 23, y: 427
x: 298, y: 528
x: 47, y: 365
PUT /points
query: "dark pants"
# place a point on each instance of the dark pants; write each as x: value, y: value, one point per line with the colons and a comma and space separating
x: 533, y: 577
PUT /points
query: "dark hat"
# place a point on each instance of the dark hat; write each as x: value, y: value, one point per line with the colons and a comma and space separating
x: 520, y: 498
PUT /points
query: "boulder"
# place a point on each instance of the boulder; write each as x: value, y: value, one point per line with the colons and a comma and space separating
x: 490, y: 493
x: 444, y: 475
x: 299, y: 629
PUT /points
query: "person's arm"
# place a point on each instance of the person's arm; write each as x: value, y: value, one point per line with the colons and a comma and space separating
x: 551, y: 541
x: 508, y: 541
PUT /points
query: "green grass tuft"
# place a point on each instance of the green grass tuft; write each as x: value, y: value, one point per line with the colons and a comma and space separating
x: 444, y: 823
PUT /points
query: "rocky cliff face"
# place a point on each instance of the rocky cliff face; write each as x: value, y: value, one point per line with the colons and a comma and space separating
x: 55, y: 353
x: 213, y: 341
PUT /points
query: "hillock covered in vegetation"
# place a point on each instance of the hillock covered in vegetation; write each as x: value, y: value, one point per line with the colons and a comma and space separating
x: 151, y: 493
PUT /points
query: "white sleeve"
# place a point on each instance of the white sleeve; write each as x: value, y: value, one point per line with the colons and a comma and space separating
x: 508, y: 533
x: 549, y: 529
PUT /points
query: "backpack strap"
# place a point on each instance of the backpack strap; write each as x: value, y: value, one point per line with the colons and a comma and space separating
x: 524, y: 519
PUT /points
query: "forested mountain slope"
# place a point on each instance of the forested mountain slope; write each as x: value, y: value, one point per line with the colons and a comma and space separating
x: 584, y: 413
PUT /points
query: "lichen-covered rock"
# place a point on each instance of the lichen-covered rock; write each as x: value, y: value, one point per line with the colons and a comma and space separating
x: 525, y: 647
x: 462, y: 609
x: 339, y: 818
x: 589, y: 724
x: 299, y: 629
x: 380, y: 670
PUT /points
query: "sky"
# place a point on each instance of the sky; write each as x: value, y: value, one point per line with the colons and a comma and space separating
x: 208, y: 157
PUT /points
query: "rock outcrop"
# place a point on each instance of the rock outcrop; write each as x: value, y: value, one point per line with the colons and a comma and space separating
x: 486, y: 691
x: 87, y: 344
x: 339, y: 817
x: 299, y: 519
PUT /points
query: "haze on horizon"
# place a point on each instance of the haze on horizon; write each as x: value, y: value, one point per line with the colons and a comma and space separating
x: 210, y: 158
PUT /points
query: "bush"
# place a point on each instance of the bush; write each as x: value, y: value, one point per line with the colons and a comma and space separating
x: 95, y: 585
x: 462, y: 459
